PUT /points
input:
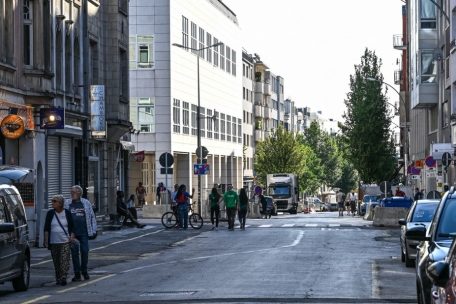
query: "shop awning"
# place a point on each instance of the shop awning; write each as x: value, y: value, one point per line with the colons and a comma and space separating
x: 127, y: 145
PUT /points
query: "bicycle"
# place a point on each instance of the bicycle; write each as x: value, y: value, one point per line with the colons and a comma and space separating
x: 170, y: 219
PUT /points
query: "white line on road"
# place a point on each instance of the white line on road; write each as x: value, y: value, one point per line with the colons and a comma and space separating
x: 295, y: 242
x: 264, y: 226
x: 334, y: 225
x: 311, y: 225
x: 288, y: 225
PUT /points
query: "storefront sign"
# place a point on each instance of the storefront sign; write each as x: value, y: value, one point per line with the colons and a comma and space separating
x: 52, y: 118
x: 24, y: 112
x: 139, y: 157
x: 12, y: 126
x: 98, y: 111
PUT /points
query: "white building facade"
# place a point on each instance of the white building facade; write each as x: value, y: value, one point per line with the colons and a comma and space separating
x: 164, y: 92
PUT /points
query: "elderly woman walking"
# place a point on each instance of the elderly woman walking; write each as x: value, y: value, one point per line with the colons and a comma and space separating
x: 58, y: 235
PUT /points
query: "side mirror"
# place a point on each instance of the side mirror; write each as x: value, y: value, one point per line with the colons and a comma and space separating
x: 416, y: 233
x: 402, y: 222
x: 439, y: 272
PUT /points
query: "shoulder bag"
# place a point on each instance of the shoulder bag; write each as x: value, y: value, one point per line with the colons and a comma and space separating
x: 75, y: 241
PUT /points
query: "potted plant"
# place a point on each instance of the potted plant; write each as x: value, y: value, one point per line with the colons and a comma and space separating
x: 258, y: 76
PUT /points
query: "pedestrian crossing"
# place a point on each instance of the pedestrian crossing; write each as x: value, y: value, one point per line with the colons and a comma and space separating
x: 321, y: 226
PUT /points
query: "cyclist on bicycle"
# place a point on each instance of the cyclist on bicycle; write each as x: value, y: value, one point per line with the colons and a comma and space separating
x: 182, y: 205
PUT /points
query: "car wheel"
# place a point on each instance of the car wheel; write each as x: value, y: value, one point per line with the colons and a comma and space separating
x: 408, y: 262
x: 402, y: 254
x: 21, y: 283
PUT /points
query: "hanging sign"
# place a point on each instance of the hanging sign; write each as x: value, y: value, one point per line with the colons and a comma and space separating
x: 140, y: 156
x: 52, y: 118
x: 98, y: 111
x: 12, y: 126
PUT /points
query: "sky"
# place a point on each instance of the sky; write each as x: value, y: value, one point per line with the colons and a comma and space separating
x: 314, y: 44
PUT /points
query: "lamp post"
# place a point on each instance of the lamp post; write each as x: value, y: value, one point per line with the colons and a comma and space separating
x: 406, y: 119
x: 198, y: 124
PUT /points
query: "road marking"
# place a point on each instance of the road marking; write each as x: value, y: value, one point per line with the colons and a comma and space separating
x: 375, y: 287
x: 86, y: 284
x: 311, y: 225
x: 110, y: 244
x: 334, y: 225
x: 288, y: 225
x: 295, y: 242
x: 264, y: 226
x: 36, y: 300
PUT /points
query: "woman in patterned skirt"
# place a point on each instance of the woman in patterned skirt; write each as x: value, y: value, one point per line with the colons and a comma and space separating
x: 58, y: 236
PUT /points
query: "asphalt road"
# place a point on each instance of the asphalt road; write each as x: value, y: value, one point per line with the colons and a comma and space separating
x: 312, y: 258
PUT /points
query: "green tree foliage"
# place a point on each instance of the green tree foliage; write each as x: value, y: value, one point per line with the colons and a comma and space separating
x: 349, y: 178
x: 327, y: 152
x: 310, y: 181
x: 282, y: 152
x: 367, y: 122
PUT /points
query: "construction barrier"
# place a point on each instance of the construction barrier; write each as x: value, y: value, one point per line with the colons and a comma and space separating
x: 388, y: 217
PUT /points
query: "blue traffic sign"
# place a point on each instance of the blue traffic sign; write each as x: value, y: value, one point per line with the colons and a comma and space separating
x: 200, y: 169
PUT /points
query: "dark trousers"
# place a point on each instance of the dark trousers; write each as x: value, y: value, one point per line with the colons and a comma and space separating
x: 242, y: 216
x: 215, y: 211
x: 133, y: 212
x: 231, y: 214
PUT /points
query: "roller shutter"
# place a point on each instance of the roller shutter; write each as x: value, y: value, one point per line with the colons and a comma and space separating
x: 67, y: 167
x: 53, y: 166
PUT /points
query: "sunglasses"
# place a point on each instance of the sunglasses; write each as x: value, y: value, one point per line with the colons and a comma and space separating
x: 55, y: 201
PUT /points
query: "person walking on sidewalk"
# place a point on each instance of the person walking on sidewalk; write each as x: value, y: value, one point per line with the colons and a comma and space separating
x: 231, y: 199
x: 85, y: 225
x: 340, y: 201
x: 353, y: 203
x: 243, y: 207
x: 214, y: 199
x: 58, y: 236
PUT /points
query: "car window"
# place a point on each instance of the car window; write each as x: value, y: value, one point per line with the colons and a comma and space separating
x: 423, y: 212
x: 447, y: 222
x: 368, y: 198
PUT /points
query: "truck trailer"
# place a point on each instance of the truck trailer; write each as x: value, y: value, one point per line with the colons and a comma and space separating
x: 283, y: 187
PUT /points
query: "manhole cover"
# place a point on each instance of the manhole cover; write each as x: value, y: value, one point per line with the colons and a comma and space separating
x: 169, y: 293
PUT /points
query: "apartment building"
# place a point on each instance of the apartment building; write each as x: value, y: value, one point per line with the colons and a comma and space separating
x: 248, y: 121
x: 168, y: 82
x: 58, y: 60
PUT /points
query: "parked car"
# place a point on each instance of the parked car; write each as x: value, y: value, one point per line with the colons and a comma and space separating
x: 435, y: 243
x: 14, y: 233
x: 323, y: 207
x: 271, y: 207
x: 421, y: 213
x: 396, y: 202
x: 443, y: 276
x: 368, y: 199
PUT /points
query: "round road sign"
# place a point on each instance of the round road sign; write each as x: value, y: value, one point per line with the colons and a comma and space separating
x: 258, y: 190
x: 430, y: 162
x: 166, y: 160
x: 415, y: 171
x: 385, y: 187
x: 446, y: 159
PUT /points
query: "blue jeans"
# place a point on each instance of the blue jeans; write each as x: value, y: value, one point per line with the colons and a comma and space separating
x: 81, y: 265
x: 183, y: 215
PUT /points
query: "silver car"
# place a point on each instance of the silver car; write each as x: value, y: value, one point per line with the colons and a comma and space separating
x: 420, y: 213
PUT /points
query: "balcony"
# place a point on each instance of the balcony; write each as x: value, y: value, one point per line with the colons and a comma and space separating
x: 398, y: 77
x: 286, y: 116
x: 268, y: 113
x: 259, y: 111
x: 267, y: 89
x: 259, y: 87
x: 259, y: 135
x: 398, y: 42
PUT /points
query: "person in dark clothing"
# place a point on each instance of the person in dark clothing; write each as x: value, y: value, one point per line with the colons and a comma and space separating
x: 417, y: 194
x: 214, y: 199
x: 123, y: 210
x: 243, y: 207
x: 264, y: 205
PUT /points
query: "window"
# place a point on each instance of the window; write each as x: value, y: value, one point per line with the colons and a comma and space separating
x: 433, y: 119
x: 194, y: 117
x: 209, y: 123
x: 141, y: 52
x: 201, y: 42
x: 234, y: 129
x: 233, y: 62
x: 445, y: 114
x: 222, y: 56
x: 185, y: 117
x: 228, y: 61
x: 123, y: 73
x: 184, y: 32
x: 243, y: 69
x: 222, y: 126
x: 28, y: 32
x: 428, y: 14
x: 202, y: 121
x: 193, y: 33
x: 145, y: 175
x: 216, y: 55
x: 209, y: 50
x: 176, y: 115
x: 123, y: 6
x: 239, y: 131
x: 93, y: 62
x: 142, y: 114
x: 428, y: 67
x: 216, y: 125
x: 68, y: 82
x: 76, y: 62
x: 228, y: 128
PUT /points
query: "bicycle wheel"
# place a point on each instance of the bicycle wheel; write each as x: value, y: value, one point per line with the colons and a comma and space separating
x: 169, y: 219
x: 196, y: 221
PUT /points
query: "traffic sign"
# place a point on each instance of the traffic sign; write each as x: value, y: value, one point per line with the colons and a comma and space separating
x: 166, y: 160
x: 201, y: 150
x: 258, y: 190
x: 385, y: 186
x: 200, y: 169
x: 415, y: 171
x: 446, y: 159
x: 430, y: 161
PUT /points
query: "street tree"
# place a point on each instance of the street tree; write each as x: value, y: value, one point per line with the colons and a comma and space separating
x: 282, y: 152
x: 326, y: 150
x: 349, y: 178
x: 367, y: 122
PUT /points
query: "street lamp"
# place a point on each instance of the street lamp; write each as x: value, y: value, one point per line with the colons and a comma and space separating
x: 198, y: 124
x: 406, y: 119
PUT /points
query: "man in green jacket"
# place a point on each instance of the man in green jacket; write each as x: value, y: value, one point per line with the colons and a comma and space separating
x: 231, y: 199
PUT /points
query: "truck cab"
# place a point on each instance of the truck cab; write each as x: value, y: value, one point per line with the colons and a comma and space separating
x: 283, y: 187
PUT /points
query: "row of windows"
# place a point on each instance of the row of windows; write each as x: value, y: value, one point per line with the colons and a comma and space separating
x: 247, y: 71
x: 248, y: 163
x: 223, y: 127
x: 248, y: 140
x: 248, y: 118
x: 220, y: 56
x: 141, y: 52
x: 142, y: 114
x: 247, y: 94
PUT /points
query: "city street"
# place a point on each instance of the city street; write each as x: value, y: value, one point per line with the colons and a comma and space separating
x: 311, y: 258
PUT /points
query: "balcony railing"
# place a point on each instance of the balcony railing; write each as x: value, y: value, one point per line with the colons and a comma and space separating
x: 397, y: 77
x: 398, y: 42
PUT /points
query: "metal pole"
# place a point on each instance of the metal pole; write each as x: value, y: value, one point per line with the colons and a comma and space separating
x: 198, y: 126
